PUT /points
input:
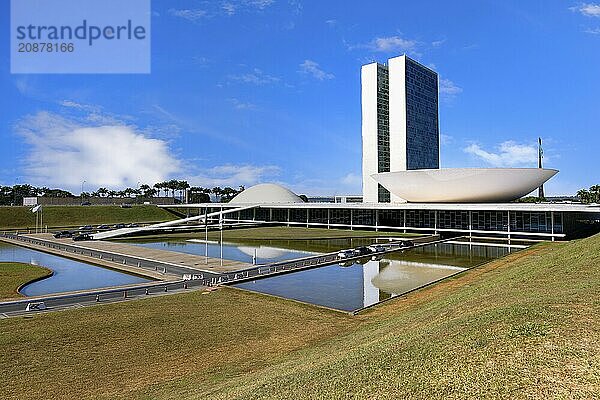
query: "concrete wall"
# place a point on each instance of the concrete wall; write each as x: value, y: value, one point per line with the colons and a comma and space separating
x: 369, y: 130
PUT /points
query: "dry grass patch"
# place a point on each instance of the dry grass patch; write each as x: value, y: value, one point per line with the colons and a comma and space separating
x: 13, y: 275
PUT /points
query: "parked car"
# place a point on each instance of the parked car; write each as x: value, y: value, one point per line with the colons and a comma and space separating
x: 103, y: 226
x: 345, y: 264
x: 86, y: 228
x: 118, y: 226
x: 361, y: 251
x: 345, y: 254
x: 86, y: 203
x: 408, y: 243
x: 132, y: 226
x: 82, y: 237
x: 376, y: 248
x: 124, y: 205
x: 63, y: 234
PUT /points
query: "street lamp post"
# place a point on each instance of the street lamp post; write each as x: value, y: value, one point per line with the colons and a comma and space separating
x: 206, y: 233
x: 81, y: 195
x: 221, y: 229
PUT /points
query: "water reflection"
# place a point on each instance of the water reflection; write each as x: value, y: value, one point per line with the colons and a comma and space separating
x: 355, y: 286
x: 68, y: 274
x: 231, y: 251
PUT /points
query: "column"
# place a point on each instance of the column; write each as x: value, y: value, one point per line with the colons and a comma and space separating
x: 470, y: 224
x: 508, y: 228
x: 552, y: 222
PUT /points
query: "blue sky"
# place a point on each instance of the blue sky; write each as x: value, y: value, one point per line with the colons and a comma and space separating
x: 245, y: 91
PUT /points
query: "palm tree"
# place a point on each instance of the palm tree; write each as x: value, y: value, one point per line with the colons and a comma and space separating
x: 183, y: 185
x: 594, y: 194
x: 584, y: 196
x: 157, y: 186
x: 144, y: 190
x: 217, y: 191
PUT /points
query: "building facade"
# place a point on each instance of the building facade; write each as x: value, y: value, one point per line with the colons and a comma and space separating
x: 400, y: 124
x: 505, y: 220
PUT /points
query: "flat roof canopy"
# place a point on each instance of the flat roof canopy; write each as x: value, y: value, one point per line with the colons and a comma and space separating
x: 536, y: 207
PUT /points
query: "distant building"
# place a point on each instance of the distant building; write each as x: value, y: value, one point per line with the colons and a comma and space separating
x: 346, y: 198
x: 400, y: 124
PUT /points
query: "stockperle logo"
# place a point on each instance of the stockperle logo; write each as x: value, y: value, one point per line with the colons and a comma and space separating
x: 80, y: 36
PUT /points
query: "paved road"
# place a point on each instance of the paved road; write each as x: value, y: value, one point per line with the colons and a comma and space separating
x: 132, y: 259
x: 94, y: 297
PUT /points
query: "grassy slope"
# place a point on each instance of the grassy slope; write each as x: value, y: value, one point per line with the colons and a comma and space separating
x: 523, y: 326
x: 13, y: 275
x: 21, y: 217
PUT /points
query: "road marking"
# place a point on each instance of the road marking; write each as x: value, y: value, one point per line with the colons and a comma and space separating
x: 2, y: 315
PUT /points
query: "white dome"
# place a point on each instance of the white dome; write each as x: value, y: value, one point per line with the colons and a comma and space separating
x: 266, y: 193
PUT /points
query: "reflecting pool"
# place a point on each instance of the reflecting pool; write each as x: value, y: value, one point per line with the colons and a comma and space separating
x: 360, y: 285
x: 266, y: 251
x: 68, y: 274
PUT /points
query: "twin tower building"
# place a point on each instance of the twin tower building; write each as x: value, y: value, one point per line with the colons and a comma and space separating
x: 400, y: 124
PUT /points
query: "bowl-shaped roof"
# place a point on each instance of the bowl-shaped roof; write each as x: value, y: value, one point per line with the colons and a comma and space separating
x: 463, y: 185
x: 266, y: 193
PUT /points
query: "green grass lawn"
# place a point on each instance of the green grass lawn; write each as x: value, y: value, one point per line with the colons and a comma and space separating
x: 59, y: 216
x: 524, y: 326
x: 13, y: 275
x: 298, y: 233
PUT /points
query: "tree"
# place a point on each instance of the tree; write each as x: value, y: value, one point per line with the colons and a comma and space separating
x: 217, y: 191
x: 595, y: 194
x: 182, y: 186
x: 199, y: 194
x: 584, y: 196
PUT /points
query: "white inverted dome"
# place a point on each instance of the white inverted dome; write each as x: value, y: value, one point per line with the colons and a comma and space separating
x: 266, y: 193
x: 463, y: 185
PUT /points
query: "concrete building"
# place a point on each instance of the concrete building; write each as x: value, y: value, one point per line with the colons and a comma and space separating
x: 400, y: 124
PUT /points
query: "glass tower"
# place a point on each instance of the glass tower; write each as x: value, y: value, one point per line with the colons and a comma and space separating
x: 400, y: 127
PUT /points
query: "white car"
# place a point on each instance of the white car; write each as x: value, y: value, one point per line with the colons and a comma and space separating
x: 376, y: 248
x: 346, y: 254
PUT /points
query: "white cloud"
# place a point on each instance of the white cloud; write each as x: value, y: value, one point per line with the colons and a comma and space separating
x: 64, y: 152
x: 235, y: 175
x: 391, y: 44
x: 438, y: 43
x: 260, y: 4
x: 229, y: 8
x: 449, y: 88
x: 446, y: 139
x: 331, y: 22
x: 593, y: 31
x: 256, y: 77
x: 312, y: 68
x: 241, y: 105
x: 509, y: 154
x: 588, y: 9
x: 352, y: 179
x: 79, y: 106
x: 189, y: 14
